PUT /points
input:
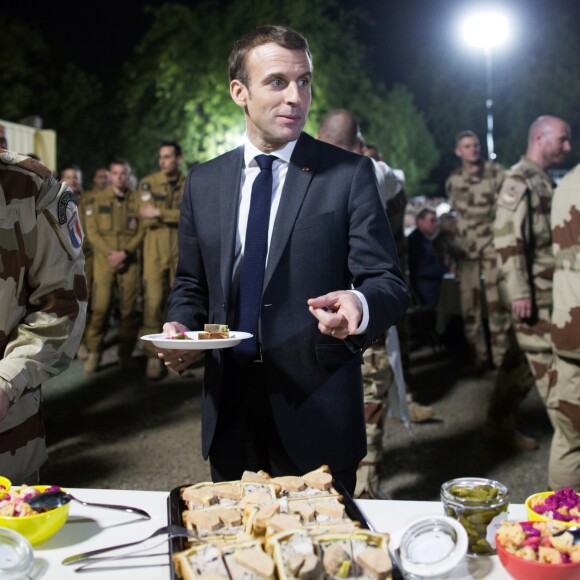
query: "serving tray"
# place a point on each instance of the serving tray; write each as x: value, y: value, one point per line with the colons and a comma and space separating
x: 176, y: 506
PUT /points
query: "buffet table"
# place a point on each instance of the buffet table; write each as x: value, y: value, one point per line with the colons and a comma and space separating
x: 89, y: 528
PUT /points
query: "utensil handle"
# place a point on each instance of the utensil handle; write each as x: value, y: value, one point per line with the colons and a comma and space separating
x: 86, y: 555
x: 124, y: 508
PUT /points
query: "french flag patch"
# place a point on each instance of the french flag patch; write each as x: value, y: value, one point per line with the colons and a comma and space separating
x: 75, y: 231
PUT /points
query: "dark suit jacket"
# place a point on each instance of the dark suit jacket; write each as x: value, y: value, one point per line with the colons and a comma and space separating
x: 426, y: 268
x: 330, y: 232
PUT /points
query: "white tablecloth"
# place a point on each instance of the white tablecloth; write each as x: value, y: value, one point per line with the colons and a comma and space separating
x: 89, y: 528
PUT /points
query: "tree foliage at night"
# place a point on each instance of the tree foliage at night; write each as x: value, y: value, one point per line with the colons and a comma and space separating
x: 177, y: 86
x: 65, y: 97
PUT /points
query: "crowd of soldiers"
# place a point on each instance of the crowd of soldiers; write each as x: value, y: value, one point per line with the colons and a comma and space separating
x: 507, y: 258
x: 130, y: 249
x: 517, y: 245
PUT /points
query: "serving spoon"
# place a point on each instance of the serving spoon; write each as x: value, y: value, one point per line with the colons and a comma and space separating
x: 574, y: 530
x: 57, y: 498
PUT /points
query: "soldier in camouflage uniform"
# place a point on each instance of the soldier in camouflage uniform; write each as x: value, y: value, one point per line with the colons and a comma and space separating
x: 563, y: 402
x: 116, y: 234
x: 523, y: 240
x: 160, y: 196
x: 43, y: 294
x: 472, y: 192
x: 339, y: 127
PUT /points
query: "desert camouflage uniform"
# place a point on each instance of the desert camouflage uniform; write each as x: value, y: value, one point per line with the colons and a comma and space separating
x: 522, y: 245
x: 159, y: 248
x: 473, y: 197
x: 564, y: 398
x: 43, y: 295
x: 378, y: 376
x: 377, y: 380
x: 113, y: 224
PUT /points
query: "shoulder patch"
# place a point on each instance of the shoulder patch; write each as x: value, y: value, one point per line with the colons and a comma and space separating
x: 511, y: 193
x: 63, y: 202
x: 65, y: 219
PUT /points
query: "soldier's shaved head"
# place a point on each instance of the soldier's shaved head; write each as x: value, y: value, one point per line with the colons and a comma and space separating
x: 548, y: 141
x: 340, y: 128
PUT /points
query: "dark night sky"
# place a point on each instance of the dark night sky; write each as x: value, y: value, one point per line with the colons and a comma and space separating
x: 100, y: 35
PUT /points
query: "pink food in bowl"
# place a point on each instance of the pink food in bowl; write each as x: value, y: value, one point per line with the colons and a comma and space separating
x: 530, y: 550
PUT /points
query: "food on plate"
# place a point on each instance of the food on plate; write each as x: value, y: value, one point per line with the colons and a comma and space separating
x: 563, y: 505
x: 13, y: 501
x: 535, y: 541
x: 263, y: 527
x: 213, y: 332
x: 179, y: 336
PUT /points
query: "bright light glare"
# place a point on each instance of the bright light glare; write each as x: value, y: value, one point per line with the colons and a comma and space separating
x: 485, y: 30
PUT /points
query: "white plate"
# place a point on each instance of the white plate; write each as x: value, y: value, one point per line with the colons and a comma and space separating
x: 161, y: 341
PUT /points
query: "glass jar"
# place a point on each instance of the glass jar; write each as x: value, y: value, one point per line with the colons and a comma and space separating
x: 429, y: 547
x: 16, y: 555
x: 480, y: 505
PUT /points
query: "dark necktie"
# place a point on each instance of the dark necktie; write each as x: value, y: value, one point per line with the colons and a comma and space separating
x: 254, y: 261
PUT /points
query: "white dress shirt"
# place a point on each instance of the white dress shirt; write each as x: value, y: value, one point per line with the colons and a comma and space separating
x: 279, y: 172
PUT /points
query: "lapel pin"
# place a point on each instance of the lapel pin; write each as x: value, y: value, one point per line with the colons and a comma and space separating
x: 306, y: 169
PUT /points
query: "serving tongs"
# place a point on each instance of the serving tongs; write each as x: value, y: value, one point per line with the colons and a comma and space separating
x: 171, y: 532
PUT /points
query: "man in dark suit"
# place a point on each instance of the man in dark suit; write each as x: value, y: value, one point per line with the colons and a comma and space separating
x: 426, y: 267
x: 331, y: 283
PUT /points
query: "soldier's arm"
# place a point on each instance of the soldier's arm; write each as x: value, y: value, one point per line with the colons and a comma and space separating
x: 509, y: 241
x: 45, y: 341
x: 169, y: 216
x: 158, y: 215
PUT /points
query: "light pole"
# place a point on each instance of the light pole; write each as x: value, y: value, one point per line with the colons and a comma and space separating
x: 487, y: 30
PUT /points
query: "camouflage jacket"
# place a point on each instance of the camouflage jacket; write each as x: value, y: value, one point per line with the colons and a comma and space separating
x: 164, y: 195
x: 525, y: 257
x: 566, y: 247
x: 43, y: 295
x: 473, y: 197
x: 113, y: 223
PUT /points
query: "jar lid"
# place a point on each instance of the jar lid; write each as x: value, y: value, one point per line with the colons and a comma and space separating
x: 16, y: 555
x: 472, y: 491
x: 430, y: 546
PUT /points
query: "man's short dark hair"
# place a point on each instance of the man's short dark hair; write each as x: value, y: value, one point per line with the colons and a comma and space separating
x: 282, y: 35
x: 463, y: 134
x: 176, y: 147
x: 119, y: 161
x: 72, y: 166
x: 422, y: 214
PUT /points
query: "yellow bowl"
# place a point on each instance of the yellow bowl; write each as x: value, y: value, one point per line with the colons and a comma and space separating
x: 534, y: 516
x: 38, y: 528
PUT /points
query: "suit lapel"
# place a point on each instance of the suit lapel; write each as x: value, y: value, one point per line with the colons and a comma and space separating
x: 301, y: 169
x: 229, y: 193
